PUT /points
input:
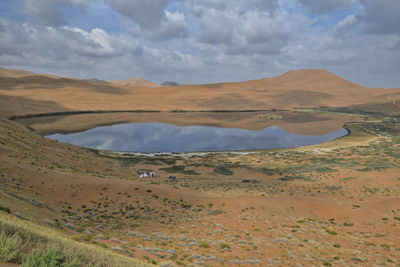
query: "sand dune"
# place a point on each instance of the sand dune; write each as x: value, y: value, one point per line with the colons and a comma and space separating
x: 303, y: 88
x: 133, y: 82
x: 330, y: 204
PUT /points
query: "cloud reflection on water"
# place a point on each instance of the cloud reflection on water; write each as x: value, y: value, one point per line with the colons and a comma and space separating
x: 160, y: 137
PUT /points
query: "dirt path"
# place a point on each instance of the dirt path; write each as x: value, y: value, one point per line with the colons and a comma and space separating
x: 7, y: 264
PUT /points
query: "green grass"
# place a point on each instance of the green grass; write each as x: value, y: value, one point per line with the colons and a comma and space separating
x: 223, y: 169
x: 325, y: 170
x: 179, y: 169
x: 6, y: 209
x: 10, y: 247
x: 30, y: 244
x: 50, y: 257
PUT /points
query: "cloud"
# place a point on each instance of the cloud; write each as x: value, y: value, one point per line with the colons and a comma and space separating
x: 326, y: 6
x: 47, y: 12
x: 202, y: 41
x: 345, y: 25
x: 382, y: 17
x: 246, y: 27
x: 151, y: 18
x: 75, y: 52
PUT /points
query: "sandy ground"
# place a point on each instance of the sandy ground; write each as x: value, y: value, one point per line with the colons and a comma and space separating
x: 307, y: 88
x: 7, y: 264
x: 334, y: 204
x: 342, y: 209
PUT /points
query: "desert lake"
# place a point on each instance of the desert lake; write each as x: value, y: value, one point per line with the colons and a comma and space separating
x: 163, y: 137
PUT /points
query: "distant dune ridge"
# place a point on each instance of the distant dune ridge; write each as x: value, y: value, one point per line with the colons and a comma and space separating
x: 33, y: 93
x: 170, y: 83
x: 134, y: 82
x: 21, y: 73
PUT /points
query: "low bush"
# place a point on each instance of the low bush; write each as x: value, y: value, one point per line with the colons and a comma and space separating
x: 51, y: 257
x: 179, y: 169
x: 223, y: 169
x: 30, y: 244
x: 10, y: 247
x: 8, y: 210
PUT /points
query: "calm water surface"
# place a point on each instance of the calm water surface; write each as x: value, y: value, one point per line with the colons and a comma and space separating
x: 161, y: 137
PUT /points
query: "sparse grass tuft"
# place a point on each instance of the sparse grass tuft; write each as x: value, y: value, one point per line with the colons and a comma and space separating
x: 179, y: 169
x: 22, y: 239
x: 51, y: 257
x: 10, y: 247
x: 223, y: 169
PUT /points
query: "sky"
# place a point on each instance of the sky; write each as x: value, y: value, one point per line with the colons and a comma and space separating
x: 202, y: 41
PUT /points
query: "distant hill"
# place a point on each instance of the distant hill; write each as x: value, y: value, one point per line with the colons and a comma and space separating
x: 21, y: 73
x: 25, y: 92
x: 169, y: 83
x: 311, y: 79
x: 134, y: 82
x: 96, y: 81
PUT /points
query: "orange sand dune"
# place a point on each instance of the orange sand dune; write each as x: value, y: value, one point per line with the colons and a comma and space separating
x: 304, y: 88
x: 134, y: 82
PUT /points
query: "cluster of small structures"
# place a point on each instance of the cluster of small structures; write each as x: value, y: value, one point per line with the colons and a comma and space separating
x: 146, y: 173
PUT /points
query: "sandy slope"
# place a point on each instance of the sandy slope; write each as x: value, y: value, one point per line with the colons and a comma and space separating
x: 305, y: 88
x: 134, y: 82
x: 336, y: 204
x: 344, y: 216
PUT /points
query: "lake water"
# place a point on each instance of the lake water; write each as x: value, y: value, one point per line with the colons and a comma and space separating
x: 161, y: 137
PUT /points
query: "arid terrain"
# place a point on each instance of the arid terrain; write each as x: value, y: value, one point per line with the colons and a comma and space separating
x: 332, y: 204
x: 37, y: 93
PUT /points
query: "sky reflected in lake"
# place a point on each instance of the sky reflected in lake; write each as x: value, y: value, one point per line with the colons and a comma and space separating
x: 161, y: 137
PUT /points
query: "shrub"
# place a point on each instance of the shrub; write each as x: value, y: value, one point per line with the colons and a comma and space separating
x: 45, y: 240
x: 179, y: 169
x: 224, y: 246
x: 8, y: 210
x: 52, y: 257
x: 204, y: 245
x: 325, y: 169
x: 223, y: 169
x: 10, y: 247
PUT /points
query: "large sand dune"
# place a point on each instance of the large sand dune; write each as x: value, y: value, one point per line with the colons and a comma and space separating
x: 303, y: 88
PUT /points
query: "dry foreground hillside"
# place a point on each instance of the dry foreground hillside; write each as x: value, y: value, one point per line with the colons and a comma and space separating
x: 333, y: 204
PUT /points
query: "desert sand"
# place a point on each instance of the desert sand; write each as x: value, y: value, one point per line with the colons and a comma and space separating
x: 333, y: 204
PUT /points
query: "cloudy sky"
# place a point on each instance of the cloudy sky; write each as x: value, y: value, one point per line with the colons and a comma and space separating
x: 201, y: 41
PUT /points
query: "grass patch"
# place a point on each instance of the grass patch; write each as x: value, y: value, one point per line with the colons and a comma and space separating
x: 50, y: 257
x: 179, y: 169
x: 29, y: 244
x: 223, y: 169
x: 325, y: 170
x: 10, y: 247
x: 269, y: 171
x: 295, y: 177
x: 8, y: 210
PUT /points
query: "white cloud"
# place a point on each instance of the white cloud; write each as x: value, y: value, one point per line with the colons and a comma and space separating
x: 344, y: 25
x: 95, y: 53
x: 382, y: 17
x: 326, y: 6
x: 205, y: 40
x: 244, y: 28
x: 47, y: 12
x: 150, y: 18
